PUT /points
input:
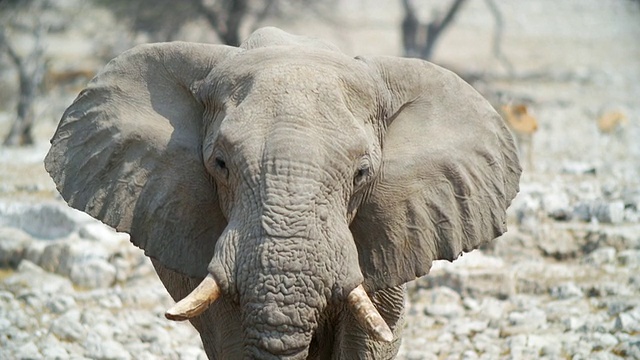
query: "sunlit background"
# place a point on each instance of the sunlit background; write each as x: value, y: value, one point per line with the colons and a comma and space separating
x: 565, y: 75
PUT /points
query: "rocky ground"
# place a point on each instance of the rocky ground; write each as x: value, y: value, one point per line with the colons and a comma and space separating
x: 563, y: 283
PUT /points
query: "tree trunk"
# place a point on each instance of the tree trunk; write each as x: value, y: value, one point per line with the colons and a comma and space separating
x: 20, y: 133
x: 420, y: 40
x: 31, y: 70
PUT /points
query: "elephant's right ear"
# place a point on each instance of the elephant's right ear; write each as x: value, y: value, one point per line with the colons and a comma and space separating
x: 128, y: 152
x: 449, y: 172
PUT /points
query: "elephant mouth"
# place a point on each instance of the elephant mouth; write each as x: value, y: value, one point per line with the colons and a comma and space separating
x: 208, y: 292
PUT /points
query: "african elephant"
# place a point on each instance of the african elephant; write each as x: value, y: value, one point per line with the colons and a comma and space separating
x: 285, y: 191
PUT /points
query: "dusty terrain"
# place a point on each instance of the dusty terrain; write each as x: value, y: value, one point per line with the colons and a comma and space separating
x: 563, y: 283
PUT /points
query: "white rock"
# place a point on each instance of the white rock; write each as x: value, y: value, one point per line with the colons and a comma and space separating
x: 60, y: 303
x: 556, y: 202
x: 68, y: 327
x: 628, y: 321
x: 629, y: 348
x: 492, y: 308
x: 566, y: 291
x: 191, y: 352
x: 629, y: 258
x: 526, y: 322
x: 31, y: 278
x: 13, y: 245
x: 44, y: 220
x: 99, y: 232
x: 558, y: 243
x: 98, y: 348
x: 609, y: 213
x: 93, y: 273
x: 468, y: 327
x: 442, y: 301
x: 573, y: 323
x: 28, y: 351
x: 51, y: 348
x: 601, y: 256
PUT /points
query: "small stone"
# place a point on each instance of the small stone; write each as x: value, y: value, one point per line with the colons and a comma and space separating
x: 51, y: 348
x: 566, y: 291
x: 98, y: 348
x: 192, y: 352
x: 573, y: 323
x: 629, y: 258
x: 556, y: 203
x: 28, y: 351
x: 524, y: 322
x: 105, y: 235
x: 518, y: 348
x: 601, y: 256
x: 578, y: 168
x: 629, y: 349
x: 616, y: 306
x: 609, y: 213
x: 467, y: 327
x: 604, y: 212
x: 604, y: 341
x: 469, y: 355
x: 29, y: 277
x: 43, y: 220
x: 4, y: 324
x: 93, y: 273
x: 471, y: 304
x: 444, y: 302
x: 68, y: 327
x: 486, y: 344
x: 60, y: 303
x: 51, y: 258
x: 544, y: 344
x: 13, y: 245
x: 628, y: 321
x: 559, y: 244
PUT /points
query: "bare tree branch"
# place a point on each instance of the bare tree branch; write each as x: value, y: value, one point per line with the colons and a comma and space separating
x: 497, y: 36
x: 30, y: 69
x: 419, y: 40
x: 435, y: 28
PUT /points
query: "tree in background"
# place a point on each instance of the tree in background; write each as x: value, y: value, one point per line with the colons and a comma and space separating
x: 419, y: 40
x: 28, y: 61
x: 162, y: 20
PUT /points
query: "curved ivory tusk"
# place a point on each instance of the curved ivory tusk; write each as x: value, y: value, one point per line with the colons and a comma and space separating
x: 367, y: 315
x: 196, y: 302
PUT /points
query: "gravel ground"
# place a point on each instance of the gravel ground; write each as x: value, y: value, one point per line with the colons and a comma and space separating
x: 563, y: 283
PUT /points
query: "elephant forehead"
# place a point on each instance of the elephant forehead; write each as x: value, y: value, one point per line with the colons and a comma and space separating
x: 294, y: 70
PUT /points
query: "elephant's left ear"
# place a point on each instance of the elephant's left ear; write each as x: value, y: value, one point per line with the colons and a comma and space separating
x: 128, y: 151
x: 449, y: 172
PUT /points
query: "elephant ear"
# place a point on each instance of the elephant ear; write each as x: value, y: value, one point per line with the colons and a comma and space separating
x: 450, y: 170
x: 128, y: 152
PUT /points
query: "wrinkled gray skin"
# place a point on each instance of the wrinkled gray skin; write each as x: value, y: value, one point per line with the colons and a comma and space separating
x: 292, y: 173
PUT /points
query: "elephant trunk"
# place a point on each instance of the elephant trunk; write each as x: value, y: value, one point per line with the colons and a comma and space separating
x: 283, y: 287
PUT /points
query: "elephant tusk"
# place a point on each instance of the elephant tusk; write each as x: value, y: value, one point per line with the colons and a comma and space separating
x: 196, y: 302
x: 367, y: 315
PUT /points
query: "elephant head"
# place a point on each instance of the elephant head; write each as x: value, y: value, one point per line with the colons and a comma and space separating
x: 286, y: 174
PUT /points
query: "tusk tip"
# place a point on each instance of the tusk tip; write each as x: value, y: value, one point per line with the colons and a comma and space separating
x: 173, y: 315
x: 384, y: 334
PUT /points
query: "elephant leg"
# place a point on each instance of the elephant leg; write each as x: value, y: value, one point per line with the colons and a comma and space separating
x: 219, y: 326
x: 351, y: 340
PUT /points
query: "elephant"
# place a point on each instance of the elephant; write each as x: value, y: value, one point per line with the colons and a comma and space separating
x: 284, y: 191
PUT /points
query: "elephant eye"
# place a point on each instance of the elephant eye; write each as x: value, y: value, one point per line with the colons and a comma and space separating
x: 221, y: 167
x: 221, y: 164
x: 362, y: 175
